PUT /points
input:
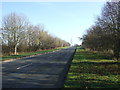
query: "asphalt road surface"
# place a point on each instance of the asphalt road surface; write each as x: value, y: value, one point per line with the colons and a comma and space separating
x: 41, y: 71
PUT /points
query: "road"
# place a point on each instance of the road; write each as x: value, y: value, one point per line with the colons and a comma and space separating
x: 41, y: 71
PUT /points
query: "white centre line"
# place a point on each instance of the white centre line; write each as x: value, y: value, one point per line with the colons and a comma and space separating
x: 24, y: 66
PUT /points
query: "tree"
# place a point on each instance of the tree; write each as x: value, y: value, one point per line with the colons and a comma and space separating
x: 13, y: 27
x: 111, y: 21
x: 18, y: 35
x: 105, y: 34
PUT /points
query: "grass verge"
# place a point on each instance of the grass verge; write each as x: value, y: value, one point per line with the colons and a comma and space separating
x: 92, y: 70
x: 29, y: 54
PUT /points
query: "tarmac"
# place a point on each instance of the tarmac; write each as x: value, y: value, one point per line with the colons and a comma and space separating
x: 41, y: 71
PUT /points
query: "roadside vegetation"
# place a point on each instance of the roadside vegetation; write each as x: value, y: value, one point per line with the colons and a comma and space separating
x: 19, y: 35
x: 91, y: 69
x: 104, y: 35
x: 97, y: 64
x: 29, y: 54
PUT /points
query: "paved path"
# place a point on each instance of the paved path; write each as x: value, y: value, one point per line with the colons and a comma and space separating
x: 42, y: 71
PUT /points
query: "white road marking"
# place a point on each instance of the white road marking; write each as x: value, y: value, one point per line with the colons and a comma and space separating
x: 24, y: 66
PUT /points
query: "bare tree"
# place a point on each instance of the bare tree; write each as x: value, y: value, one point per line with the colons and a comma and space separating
x: 105, y: 34
x: 21, y: 36
x: 13, y: 27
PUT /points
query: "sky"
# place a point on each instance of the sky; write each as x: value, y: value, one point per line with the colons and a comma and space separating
x: 66, y: 20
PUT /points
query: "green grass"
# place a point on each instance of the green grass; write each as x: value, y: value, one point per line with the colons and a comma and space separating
x: 92, y: 70
x: 29, y: 54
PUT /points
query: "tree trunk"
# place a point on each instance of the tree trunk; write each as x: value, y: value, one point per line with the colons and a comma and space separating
x: 15, y: 50
x: 117, y: 49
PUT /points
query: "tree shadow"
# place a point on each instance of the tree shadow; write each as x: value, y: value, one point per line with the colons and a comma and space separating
x: 47, y: 74
x: 91, y: 83
x: 95, y: 56
x: 101, y: 68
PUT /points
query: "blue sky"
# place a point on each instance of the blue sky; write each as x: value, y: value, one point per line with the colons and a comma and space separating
x: 66, y: 20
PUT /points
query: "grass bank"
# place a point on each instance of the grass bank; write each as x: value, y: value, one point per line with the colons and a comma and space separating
x: 3, y: 58
x: 92, y: 70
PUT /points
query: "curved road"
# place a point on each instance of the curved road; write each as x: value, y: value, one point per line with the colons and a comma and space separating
x: 41, y: 71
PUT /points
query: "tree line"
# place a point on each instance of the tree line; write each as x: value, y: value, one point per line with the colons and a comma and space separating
x: 19, y: 35
x: 104, y: 35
